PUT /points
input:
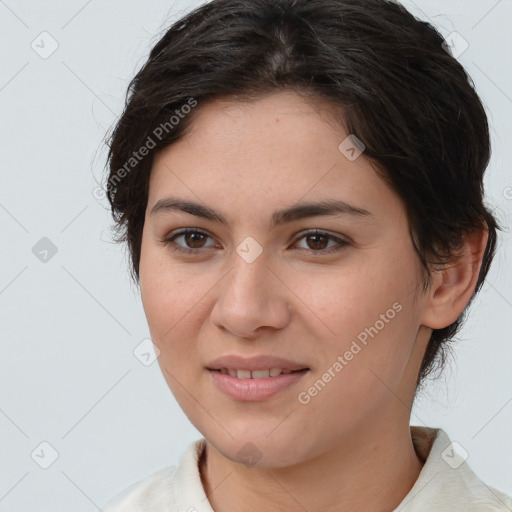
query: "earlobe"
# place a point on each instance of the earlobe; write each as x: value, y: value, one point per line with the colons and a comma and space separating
x: 453, y: 285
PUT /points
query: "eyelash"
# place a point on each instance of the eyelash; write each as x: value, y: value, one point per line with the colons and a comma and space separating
x: 169, y: 242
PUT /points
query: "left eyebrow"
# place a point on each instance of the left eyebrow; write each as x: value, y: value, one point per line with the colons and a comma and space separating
x: 321, y: 208
x: 290, y: 214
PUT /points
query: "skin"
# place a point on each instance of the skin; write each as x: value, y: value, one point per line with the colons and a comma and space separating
x: 350, y: 447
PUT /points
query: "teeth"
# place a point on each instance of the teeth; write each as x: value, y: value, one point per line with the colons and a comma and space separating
x: 255, y: 374
x: 261, y: 374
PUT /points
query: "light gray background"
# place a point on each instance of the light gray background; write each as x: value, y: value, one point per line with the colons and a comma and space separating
x: 69, y: 325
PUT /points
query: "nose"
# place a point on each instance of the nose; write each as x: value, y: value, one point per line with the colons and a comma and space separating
x: 251, y: 299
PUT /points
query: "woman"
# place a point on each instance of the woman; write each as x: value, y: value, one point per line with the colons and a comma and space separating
x: 300, y: 187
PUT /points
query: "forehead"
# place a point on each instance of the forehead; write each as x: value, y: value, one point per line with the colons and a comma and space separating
x: 273, y: 124
x: 269, y: 136
x: 272, y: 151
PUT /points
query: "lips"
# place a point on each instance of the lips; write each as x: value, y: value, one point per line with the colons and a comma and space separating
x: 264, y: 362
x: 255, y: 389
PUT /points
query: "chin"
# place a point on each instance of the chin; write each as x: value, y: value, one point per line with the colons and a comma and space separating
x: 256, y: 451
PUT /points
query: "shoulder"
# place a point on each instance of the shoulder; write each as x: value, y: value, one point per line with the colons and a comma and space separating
x: 447, y: 482
x: 166, y: 490
x: 155, y: 491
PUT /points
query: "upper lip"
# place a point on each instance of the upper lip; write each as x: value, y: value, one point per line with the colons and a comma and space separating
x: 234, y: 362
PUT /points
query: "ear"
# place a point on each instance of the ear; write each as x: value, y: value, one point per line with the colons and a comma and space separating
x: 453, y: 285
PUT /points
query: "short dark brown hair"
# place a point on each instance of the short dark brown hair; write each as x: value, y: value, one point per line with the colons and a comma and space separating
x: 400, y: 90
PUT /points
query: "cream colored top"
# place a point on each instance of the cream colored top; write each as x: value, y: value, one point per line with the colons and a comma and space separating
x: 445, y: 484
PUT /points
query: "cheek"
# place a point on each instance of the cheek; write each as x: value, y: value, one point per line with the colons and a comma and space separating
x: 363, y: 313
x: 345, y: 301
x: 175, y: 301
x: 166, y: 297
x: 171, y: 304
x: 166, y: 293
x: 170, y: 309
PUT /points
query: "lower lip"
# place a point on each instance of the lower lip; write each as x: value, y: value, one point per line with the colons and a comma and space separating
x: 253, y: 390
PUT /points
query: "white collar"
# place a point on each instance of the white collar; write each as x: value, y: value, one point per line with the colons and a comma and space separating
x: 445, y: 483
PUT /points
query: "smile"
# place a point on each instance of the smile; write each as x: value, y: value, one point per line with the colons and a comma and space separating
x: 254, y: 374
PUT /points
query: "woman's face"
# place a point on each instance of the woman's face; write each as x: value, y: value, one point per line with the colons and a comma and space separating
x: 339, y: 302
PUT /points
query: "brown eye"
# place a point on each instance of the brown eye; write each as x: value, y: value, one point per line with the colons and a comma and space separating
x: 321, y: 243
x: 193, y: 241
x: 317, y: 241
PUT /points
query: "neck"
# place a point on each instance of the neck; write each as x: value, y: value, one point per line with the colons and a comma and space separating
x: 375, y: 470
